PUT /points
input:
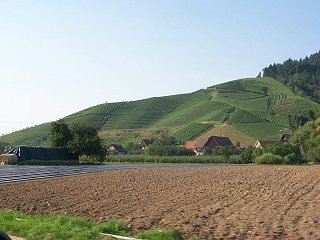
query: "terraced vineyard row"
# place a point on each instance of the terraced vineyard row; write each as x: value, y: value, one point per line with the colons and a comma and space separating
x: 241, y: 96
x: 94, y: 116
x: 145, y: 113
x: 204, y: 111
x: 282, y: 106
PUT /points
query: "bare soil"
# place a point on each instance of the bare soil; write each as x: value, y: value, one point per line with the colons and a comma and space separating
x: 233, y: 202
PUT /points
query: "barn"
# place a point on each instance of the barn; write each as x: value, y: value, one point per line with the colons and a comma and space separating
x: 25, y: 153
x: 116, y: 149
x: 211, y: 143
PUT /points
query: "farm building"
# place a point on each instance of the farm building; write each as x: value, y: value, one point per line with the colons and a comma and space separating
x: 211, y: 143
x: 263, y: 143
x: 144, y: 143
x: 25, y: 153
x: 116, y: 149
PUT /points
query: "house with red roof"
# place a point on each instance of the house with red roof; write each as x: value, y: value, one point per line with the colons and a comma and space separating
x: 200, y: 144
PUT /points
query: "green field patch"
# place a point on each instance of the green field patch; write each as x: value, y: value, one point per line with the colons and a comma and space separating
x: 281, y: 120
x: 241, y: 116
x: 201, y: 112
x: 191, y: 131
x: 126, y: 136
x: 260, y: 130
x: 256, y: 106
x: 29, y: 136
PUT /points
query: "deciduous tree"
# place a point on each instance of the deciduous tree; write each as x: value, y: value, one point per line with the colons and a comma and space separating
x: 308, y: 137
x: 60, y: 134
x: 85, y: 141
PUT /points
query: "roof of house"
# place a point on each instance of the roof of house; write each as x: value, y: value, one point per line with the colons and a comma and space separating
x: 222, y: 141
x: 200, y: 143
x: 265, y: 142
x: 117, y: 147
x: 147, y: 141
x: 190, y: 144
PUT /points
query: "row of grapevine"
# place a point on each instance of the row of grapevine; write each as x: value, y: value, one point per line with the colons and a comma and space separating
x: 191, y: 131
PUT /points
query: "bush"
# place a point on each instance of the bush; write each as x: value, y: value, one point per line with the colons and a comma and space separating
x: 226, y: 152
x: 291, y: 154
x: 307, y: 137
x: 292, y: 158
x: 114, y: 226
x: 247, y: 154
x: 132, y: 148
x: 238, y: 159
x: 280, y: 149
x: 158, y: 150
x: 91, y: 159
x: 269, y: 158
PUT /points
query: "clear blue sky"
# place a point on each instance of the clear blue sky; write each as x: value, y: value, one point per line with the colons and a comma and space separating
x: 59, y: 57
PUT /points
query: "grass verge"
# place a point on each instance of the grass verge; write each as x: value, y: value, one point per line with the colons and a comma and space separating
x: 64, y: 227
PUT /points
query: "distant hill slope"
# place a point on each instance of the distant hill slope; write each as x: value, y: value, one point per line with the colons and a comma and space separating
x: 258, y: 107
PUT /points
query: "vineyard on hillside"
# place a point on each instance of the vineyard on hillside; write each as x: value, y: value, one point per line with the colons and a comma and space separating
x: 258, y: 107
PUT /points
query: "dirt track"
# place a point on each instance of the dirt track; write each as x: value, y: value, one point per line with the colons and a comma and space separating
x: 236, y: 202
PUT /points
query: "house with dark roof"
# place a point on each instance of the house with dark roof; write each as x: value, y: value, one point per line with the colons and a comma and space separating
x: 263, y: 143
x: 200, y: 144
x: 144, y: 143
x: 116, y: 149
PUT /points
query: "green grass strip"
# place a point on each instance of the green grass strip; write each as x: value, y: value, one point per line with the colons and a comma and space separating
x: 62, y: 227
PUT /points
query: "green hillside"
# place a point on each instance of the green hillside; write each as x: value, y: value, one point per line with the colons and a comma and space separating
x: 258, y: 107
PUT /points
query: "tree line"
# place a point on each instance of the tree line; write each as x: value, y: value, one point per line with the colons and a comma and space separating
x: 301, y: 76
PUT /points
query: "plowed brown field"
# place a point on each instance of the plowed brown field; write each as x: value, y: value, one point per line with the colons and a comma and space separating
x: 232, y: 202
